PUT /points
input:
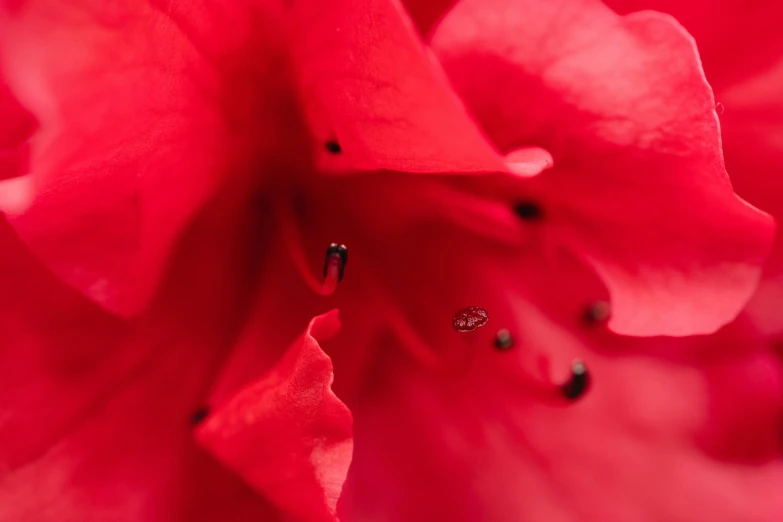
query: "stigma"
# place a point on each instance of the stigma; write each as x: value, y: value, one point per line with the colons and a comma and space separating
x: 469, y: 319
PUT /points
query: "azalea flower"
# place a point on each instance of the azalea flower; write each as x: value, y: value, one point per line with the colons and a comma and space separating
x: 207, y: 184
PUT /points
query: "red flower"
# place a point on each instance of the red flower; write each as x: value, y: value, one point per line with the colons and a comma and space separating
x: 194, y: 162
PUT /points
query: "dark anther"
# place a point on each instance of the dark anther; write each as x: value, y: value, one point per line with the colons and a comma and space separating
x: 577, y: 385
x: 503, y: 339
x: 469, y: 319
x: 341, y: 253
x: 333, y: 146
x: 528, y: 210
x: 597, y: 312
x: 198, y: 416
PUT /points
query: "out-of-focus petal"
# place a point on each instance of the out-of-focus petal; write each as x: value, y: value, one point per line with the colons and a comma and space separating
x: 654, y: 438
x: 97, y: 415
x: 139, y: 109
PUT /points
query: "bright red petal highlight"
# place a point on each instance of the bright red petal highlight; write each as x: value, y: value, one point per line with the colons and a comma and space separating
x: 638, y: 186
x: 287, y: 434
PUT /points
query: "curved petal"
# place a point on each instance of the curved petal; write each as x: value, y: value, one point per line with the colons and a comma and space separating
x: 138, y: 128
x: 287, y: 434
x: 638, y: 187
x: 369, y: 83
x: 725, y: 33
x: 743, y: 60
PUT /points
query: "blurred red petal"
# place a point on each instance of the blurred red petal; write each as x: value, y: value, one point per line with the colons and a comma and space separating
x: 135, y: 135
x: 660, y: 435
x: 97, y: 411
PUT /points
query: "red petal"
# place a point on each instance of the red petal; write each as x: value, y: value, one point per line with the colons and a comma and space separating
x: 368, y: 82
x: 97, y: 412
x: 743, y: 60
x: 655, y: 438
x: 638, y: 187
x: 287, y: 434
x: 737, y: 39
x: 136, y: 130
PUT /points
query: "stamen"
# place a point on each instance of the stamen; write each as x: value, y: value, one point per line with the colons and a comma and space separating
x: 503, y: 339
x: 336, y: 255
x: 577, y: 385
x: 333, y: 146
x: 469, y: 319
x: 528, y: 210
x: 597, y: 312
x: 334, y: 265
x: 540, y: 383
x: 198, y: 416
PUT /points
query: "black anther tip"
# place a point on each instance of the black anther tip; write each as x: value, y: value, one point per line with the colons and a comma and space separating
x: 528, y: 210
x: 333, y: 146
x: 577, y: 385
x: 597, y: 312
x: 340, y: 251
x: 503, y: 339
x: 198, y: 416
